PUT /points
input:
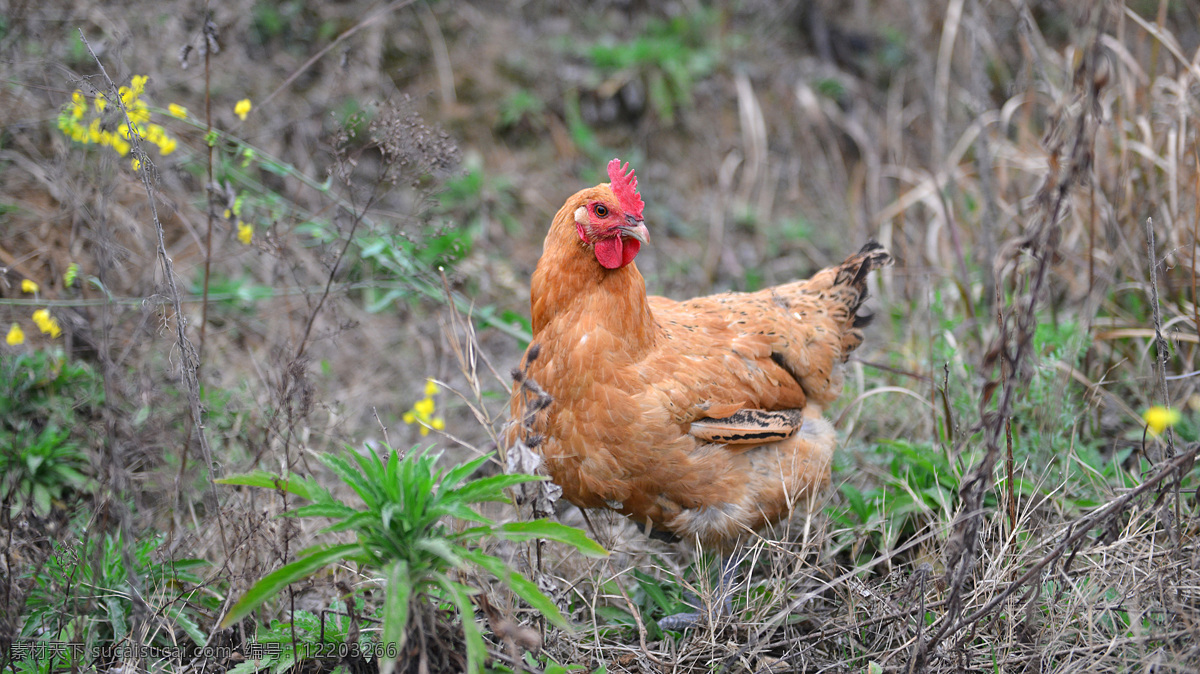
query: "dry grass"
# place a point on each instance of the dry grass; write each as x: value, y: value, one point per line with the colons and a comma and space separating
x: 1033, y: 165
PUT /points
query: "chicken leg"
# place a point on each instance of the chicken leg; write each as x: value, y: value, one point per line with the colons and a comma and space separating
x: 679, y: 622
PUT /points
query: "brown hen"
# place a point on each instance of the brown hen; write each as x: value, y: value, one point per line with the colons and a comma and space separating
x: 700, y: 418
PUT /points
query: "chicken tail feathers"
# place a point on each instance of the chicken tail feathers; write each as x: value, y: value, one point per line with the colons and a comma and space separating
x: 853, y: 272
x: 852, y: 275
x: 818, y: 324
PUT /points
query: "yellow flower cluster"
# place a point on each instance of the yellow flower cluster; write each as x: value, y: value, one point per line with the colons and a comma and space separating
x: 71, y: 121
x: 422, y: 411
x: 245, y: 231
x: 45, y: 322
x: 41, y: 318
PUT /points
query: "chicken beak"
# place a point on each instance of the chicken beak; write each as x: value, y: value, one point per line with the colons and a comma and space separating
x: 636, y: 229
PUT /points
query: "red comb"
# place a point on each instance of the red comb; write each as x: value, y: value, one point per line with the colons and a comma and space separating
x: 624, y: 185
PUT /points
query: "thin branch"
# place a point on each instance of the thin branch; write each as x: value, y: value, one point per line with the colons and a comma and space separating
x: 187, y: 352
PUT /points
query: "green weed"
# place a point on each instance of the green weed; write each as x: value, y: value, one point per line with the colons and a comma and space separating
x: 668, y: 57
x: 310, y: 636
x: 404, y: 531
x: 45, y: 402
x: 88, y: 592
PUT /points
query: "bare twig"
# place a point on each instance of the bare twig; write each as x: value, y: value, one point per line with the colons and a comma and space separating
x: 188, y: 358
x: 1162, y: 350
x: 208, y: 35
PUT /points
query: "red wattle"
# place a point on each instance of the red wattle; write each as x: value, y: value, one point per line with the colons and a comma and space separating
x: 609, y: 253
x: 630, y: 250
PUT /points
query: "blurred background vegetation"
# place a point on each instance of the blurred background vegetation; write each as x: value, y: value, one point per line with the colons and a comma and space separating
x: 352, y: 196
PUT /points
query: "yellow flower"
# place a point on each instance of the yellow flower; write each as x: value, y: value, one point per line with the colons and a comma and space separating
x: 101, y: 102
x: 1159, y: 418
x: 47, y: 323
x: 177, y: 110
x: 245, y: 233
x: 139, y: 84
x: 242, y: 108
x: 166, y: 146
x: 438, y: 423
x: 139, y: 114
x: 431, y: 388
x: 137, y: 163
x: 15, y: 335
x: 28, y: 286
x: 78, y: 107
x: 424, y: 408
x: 227, y: 214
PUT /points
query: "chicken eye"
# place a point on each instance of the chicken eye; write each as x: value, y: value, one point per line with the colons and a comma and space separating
x: 601, y: 211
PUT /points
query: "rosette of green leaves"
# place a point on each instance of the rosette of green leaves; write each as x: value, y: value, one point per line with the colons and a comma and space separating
x: 403, y: 530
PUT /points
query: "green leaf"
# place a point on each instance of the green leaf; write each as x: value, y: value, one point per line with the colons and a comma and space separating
x: 285, y: 663
x: 857, y: 503
x: 653, y: 590
x: 615, y: 616
x: 116, y: 617
x: 360, y: 520
x: 185, y: 564
x: 576, y: 538
x: 188, y: 626
x: 300, y: 486
x: 247, y: 667
x: 445, y: 550
x: 459, y: 594
x: 492, y: 488
x: 331, y: 510
x: 41, y: 499
x: 368, y: 492
x: 70, y: 475
x: 376, y: 304
x: 456, y: 474
x: 389, y: 512
x: 396, y: 600
x: 272, y: 583
x: 464, y: 512
x: 522, y: 586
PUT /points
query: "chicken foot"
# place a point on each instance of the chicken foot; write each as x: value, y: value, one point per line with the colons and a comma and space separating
x: 679, y: 622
